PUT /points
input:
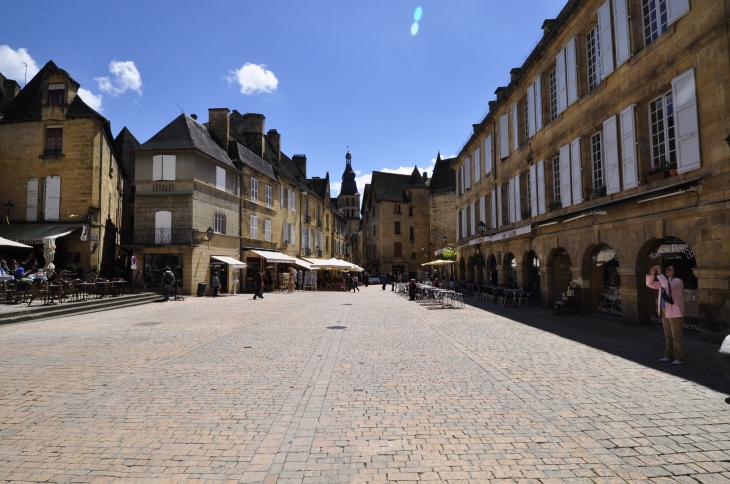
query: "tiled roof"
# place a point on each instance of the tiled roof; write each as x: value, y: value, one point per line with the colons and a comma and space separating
x: 416, y: 180
x: 389, y: 186
x: 443, y: 178
x: 186, y: 133
x: 238, y: 152
x: 125, y: 143
x: 319, y: 186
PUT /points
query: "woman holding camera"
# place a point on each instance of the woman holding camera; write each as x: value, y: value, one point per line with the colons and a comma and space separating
x: 670, y: 306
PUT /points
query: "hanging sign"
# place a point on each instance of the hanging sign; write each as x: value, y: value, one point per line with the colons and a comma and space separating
x: 134, y: 262
x: 84, y: 233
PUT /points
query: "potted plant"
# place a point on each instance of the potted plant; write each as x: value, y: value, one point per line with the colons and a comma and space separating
x: 655, y: 173
x: 552, y: 206
x: 598, y: 193
x: 672, y: 168
x: 526, y: 213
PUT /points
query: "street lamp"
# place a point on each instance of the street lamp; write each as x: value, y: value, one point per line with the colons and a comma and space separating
x: 209, y: 233
x: 481, y: 227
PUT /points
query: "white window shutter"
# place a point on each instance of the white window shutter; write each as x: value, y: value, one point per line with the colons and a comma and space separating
x: 518, y: 200
x: 293, y: 201
x: 282, y: 201
x: 675, y: 9
x: 576, y: 171
x: 621, y: 31
x: 285, y: 232
x: 500, y: 209
x: 53, y: 197
x: 628, y: 148
x: 565, y: 176
x: 483, y: 209
x: 571, y: 71
x: 541, y: 206
x: 488, y: 155
x: 463, y: 178
x: 467, y: 170
x: 610, y: 155
x: 473, y: 218
x: 458, y: 225
x: 516, y: 126
x: 561, y: 81
x: 530, y: 100
x: 493, y: 203
x: 511, y: 201
x: 604, y: 36
x: 477, y: 165
x: 463, y: 223
x: 304, y: 237
x: 169, y: 163
x: 504, y: 136
x: 31, y: 210
x: 538, y: 104
x: 309, y: 238
x: 163, y: 223
x: 292, y: 234
x: 157, y: 167
x: 533, y: 190
x: 220, y: 178
x: 686, y: 122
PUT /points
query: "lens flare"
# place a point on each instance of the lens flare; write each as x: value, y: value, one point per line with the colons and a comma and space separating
x: 417, y: 14
x: 414, y: 28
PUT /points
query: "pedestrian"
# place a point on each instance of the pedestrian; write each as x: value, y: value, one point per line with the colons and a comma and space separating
x: 215, y: 284
x: 392, y: 282
x: 366, y: 279
x: 412, y: 289
x: 292, y: 280
x: 4, y: 267
x: 354, y: 284
x: 670, y: 306
x: 349, y: 283
x: 168, y: 279
x: 383, y: 280
x: 260, y: 285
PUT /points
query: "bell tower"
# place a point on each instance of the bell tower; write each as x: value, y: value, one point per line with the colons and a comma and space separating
x: 349, y: 199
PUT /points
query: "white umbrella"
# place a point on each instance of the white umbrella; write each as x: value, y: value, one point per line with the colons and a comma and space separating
x: 9, y: 243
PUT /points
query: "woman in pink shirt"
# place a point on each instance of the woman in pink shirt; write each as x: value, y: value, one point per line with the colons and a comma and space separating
x: 670, y: 306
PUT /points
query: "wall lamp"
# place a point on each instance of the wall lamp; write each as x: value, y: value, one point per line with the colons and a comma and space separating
x: 727, y: 140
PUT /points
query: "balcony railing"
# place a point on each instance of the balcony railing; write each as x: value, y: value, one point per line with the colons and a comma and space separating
x: 307, y: 252
x: 165, y: 237
x: 319, y: 223
x: 307, y: 219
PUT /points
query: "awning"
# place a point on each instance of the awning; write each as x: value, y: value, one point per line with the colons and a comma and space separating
x: 11, y: 243
x: 34, y: 234
x: 228, y: 260
x: 275, y: 257
x: 303, y: 264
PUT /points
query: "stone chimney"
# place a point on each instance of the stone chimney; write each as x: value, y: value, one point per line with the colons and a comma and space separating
x: 10, y: 89
x: 548, y: 25
x: 252, y: 133
x: 219, y: 125
x: 500, y: 92
x: 274, y: 139
x: 425, y: 176
x: 514, y: 74
x: 301, y: 162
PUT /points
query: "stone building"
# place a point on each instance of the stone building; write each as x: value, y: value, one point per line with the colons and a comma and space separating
x: 442, y: 204
x: 62, y: 178
x: 340, y: 246
x: 605, y: 155
x: 187, y: 205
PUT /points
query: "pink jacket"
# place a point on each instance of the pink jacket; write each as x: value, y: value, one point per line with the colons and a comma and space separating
x: 675, y: 287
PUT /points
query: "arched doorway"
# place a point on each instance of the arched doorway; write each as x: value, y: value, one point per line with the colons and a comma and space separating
x: 492, y: 275
x: 532, y: 267
x: 670, y: 251
x: 605, y: 281
x: 462, y: 269
x: 510, y: 270
x: 561, y: 274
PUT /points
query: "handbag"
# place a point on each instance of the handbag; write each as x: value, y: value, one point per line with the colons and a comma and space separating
x: 667, y: 296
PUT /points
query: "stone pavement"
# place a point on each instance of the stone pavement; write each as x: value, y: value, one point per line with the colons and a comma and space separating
x: 261, y: 391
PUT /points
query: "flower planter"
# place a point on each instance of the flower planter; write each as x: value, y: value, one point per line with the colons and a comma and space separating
x: 672, y: 172
x: 655, y: 177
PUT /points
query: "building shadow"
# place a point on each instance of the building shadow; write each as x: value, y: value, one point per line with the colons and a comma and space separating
x: 641, y: 344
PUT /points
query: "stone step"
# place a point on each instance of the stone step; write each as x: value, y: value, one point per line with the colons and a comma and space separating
x: 66, y: 309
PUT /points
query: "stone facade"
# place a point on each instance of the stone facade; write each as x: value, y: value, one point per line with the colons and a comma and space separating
x: 639, y: 177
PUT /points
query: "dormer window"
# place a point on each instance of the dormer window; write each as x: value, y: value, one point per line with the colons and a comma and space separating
x: 56, y: 94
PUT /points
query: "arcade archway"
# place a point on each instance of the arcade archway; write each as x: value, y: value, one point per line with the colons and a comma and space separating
x: 510, y: 270
x: 532, y: 274
x: 492, y: 274
x: 561, y: 274
x: 605, y: 281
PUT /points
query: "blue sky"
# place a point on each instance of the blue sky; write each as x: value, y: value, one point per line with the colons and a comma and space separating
x: 326, y: 75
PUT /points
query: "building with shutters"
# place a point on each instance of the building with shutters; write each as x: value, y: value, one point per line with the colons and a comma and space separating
x: 62, y: 178
x: 606, y: 155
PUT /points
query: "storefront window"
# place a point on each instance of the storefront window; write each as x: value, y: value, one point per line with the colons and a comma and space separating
x: 605, y: 281
x: 154, y: 267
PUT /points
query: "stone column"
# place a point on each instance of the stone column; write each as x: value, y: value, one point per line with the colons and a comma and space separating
x: 547, y: 287
x: 630, y: 307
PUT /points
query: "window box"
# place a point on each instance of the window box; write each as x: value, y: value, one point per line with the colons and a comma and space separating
x: 553, y: 206
x: 655, y: 177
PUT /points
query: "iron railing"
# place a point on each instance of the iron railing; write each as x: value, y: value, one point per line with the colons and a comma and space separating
x: 307, y: 219
x: 319, y: 223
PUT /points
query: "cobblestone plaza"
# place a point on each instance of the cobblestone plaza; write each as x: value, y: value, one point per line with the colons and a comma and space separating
x: 230, y: 389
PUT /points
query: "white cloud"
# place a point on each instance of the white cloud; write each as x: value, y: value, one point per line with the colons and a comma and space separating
x: 11, y: 64
x: 126, y: 77
x: 254, y: 79
x: 93, y: 100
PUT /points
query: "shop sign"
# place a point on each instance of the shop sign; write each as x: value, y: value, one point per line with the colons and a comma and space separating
x: 134, y: 262
x: 508, y: 234
x: 84, y: 233
x: 94, y: 238
x: 476, y: 241
x: 673, y: 249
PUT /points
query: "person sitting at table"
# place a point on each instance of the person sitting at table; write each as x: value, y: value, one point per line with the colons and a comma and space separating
x: 19, y: 272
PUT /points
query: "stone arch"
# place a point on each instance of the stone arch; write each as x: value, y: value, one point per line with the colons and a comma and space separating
x: 491, y: 268
x: 558, y: 264
x: 509, y: 268
x: 601, y: 271
x: 531, y: 272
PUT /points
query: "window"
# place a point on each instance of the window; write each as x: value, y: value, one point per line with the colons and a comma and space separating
x: 396, y: 208
x: 268, y: 196
x: 347, y: 202
x: 655, y: 19
x: 397, y: 228
x: 397, y: 250
x: 553, y: 86
x: 413, y: 255
x: 163, y: 228
x: 292, y: 201
x: 556, y: 179
x: 661, y: 124
x: 56, y: 94
x: 412, y: 236
x: 254, y: 227
x: 528, y: 200
x: 597, y: 160
x: 254, y: 190
x: 234, y: 183
x: 220, y: 178
x: 163, y: 167
x: 54, y: 140
x: 410, y: 211
x: 219, y: 223
x: 593, y: 49
x: 267, y: 230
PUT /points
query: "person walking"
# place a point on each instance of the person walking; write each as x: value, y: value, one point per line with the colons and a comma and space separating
x: 292, y: 279
x: 215, y: 284
x: 168, y: 280
x: 366, y: 279
x: 670, y: 306
x: 354, y: 284
x: 260, y: 285
x: 383, y: 280
x: 349, y: 283
x: 392, y: 282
